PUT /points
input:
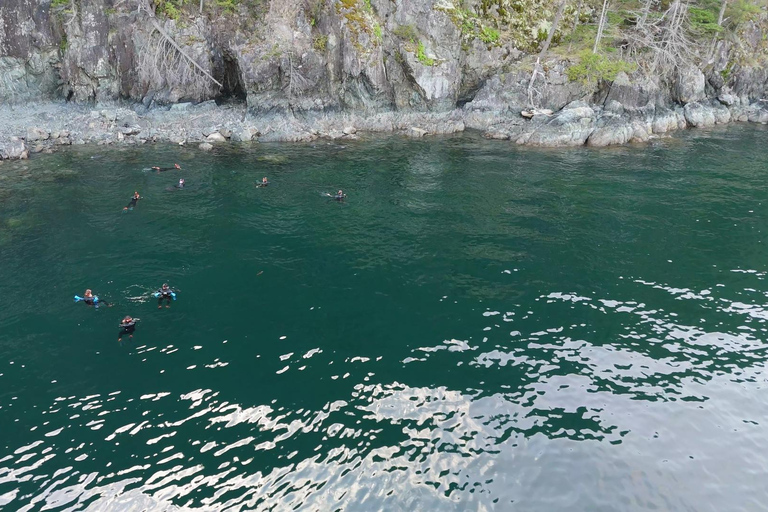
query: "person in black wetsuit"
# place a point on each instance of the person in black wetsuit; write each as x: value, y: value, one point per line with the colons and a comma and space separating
x: 340, y: 196
x: 162, y: 169
x: 134, y: 199
x: 164, y: 293
x: 127, y: 326
x: 264, y: 182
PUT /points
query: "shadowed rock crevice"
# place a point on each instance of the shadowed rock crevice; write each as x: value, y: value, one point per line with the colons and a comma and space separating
x: 227, y: 71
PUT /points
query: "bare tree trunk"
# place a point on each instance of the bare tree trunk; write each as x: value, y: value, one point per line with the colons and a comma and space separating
x: 201, y: 6
x: 644, y: 17
x: 719, y: 24
x: 573, y: 28
x: 537, y: 67
x: 722, y: 13
x: 600, y: 27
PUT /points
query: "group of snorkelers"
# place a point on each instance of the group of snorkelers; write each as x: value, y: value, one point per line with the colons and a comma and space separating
x: 339, y: 196
x: 165, y: 293
x: 132, y: 204
x: 128, y: 323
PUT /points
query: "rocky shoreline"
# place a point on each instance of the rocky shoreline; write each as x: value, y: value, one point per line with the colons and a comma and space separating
x: 100, y: 72
x: 42, y: 127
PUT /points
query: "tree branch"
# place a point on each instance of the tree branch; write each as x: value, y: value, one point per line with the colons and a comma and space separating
x: 150, y: 13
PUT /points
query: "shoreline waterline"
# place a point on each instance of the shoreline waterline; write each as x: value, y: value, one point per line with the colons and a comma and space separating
x: 43, y: 127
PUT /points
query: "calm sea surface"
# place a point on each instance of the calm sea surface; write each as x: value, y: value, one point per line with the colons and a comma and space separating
x: 479, y: 327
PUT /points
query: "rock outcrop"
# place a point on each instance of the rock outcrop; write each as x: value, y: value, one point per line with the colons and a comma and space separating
x: 304, y: 70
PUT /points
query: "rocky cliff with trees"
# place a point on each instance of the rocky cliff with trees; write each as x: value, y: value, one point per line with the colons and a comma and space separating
x: 540, y: 72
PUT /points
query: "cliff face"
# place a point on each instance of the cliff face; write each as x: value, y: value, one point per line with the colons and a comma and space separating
x: 357, y: 56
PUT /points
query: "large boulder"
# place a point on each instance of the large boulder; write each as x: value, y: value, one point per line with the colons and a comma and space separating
x: 722, y: 114
x: 689, y: 85
x: 728, y: 100
x: 631, y: 94
x: 699, y: 115
x: 611, y: 129
x: 758, y: 112
x: 665, y: 120
x: 245, y: 134
x: 641, y: 131
x: 569, y: 127
x: 14, y: 149
x: 216, y: 137
x: 35, y: 134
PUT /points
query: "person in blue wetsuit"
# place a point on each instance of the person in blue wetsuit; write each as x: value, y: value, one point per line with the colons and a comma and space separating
x: 127, y: 326
x: 89, y: 298
x: 165, y: 293
x: 133, y: 202
x: 92, y: 300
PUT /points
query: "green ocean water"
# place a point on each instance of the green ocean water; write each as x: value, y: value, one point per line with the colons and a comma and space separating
x: 478, y: 327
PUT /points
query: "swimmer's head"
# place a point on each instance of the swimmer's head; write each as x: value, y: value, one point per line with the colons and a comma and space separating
x: 264, y: 179
x: 177, y: 166
x: 165, y: 286
x: 88, y: 292
x: 127, y: 318
x: 135, y: 194
x: 181, y: 181
x: 341, y: 193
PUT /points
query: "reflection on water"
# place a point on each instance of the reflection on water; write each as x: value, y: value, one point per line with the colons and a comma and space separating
x: 478, y: 328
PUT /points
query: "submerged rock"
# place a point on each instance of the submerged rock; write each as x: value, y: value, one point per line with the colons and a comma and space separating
x: 273, y: 159
x: 416, y: 133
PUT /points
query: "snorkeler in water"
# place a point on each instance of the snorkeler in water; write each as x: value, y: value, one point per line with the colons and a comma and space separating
x: 340, y: 196
x: 134, y: 199
x: 263, y: 183
x: 165, y: 293
x: 163, y: 169
x: 127, y: 326
x: 178, y: 186
x: 89, y: 298
x: 92, y: 300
